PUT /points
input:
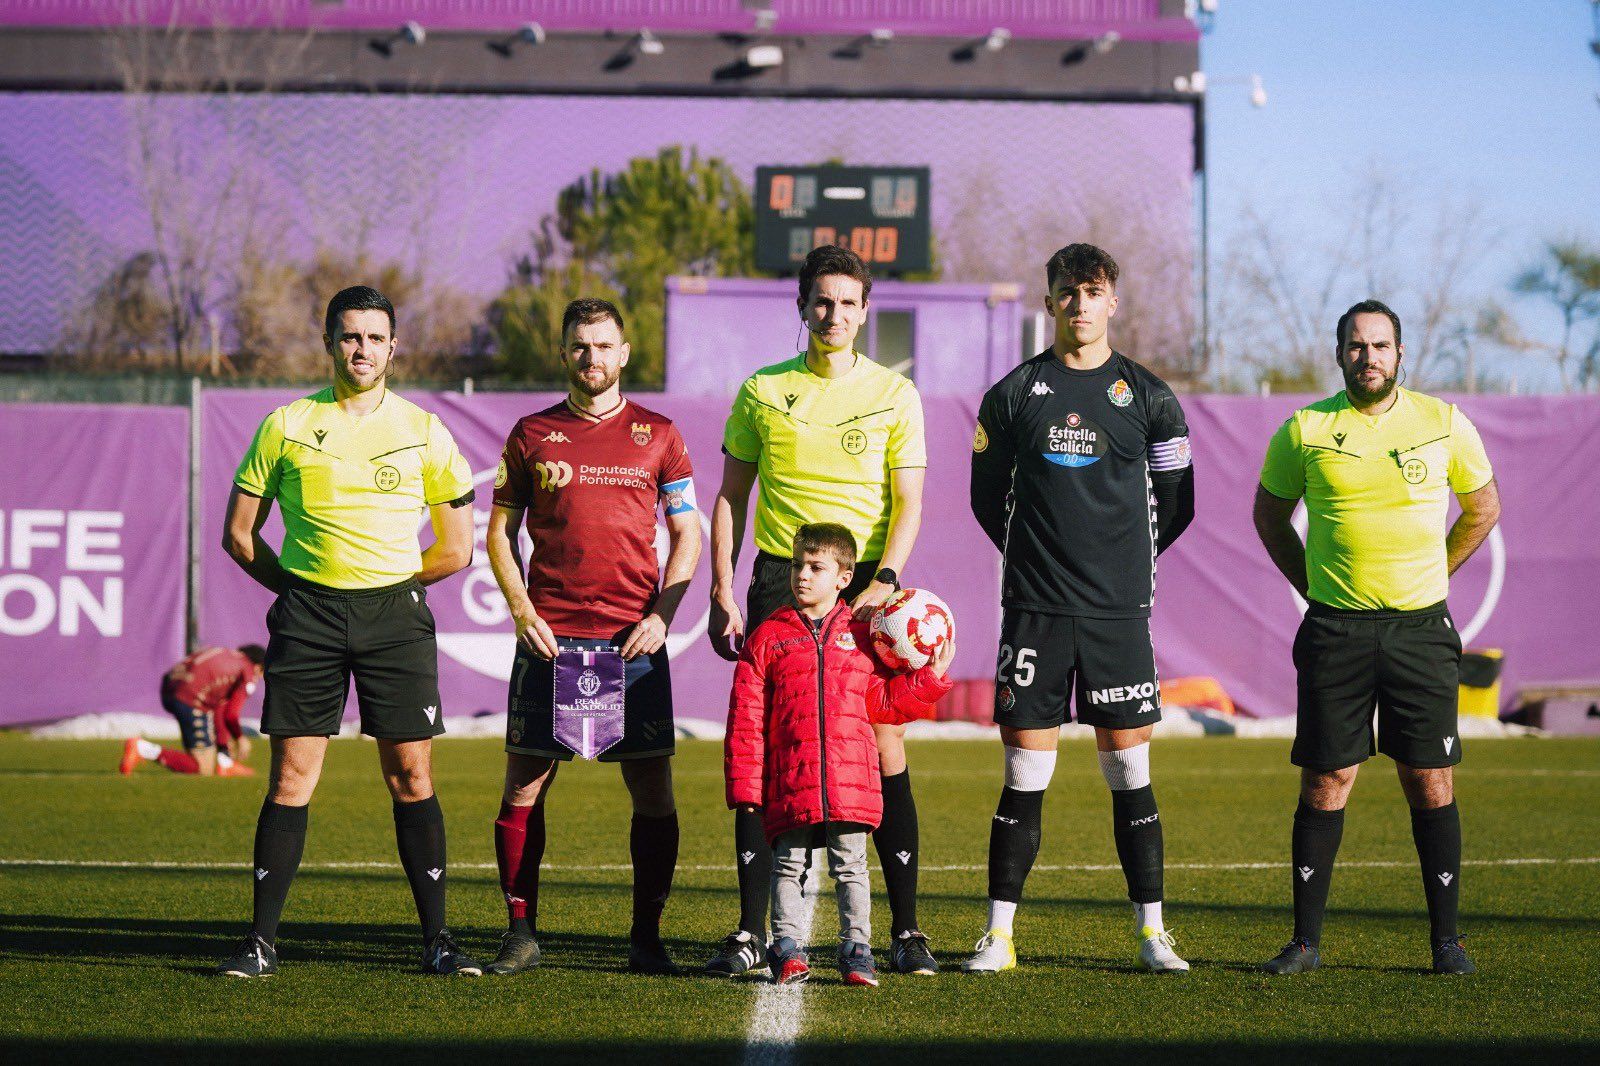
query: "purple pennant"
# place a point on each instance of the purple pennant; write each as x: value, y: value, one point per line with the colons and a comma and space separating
x: 589, y: 699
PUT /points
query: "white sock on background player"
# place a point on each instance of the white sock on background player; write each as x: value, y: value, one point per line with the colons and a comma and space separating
x: 149, y: 750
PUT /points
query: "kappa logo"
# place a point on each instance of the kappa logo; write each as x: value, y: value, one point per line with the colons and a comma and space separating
x: 554, y: 475
x: 261, y: 874
x: 745, y: 857
x: 557, y: 437
x: 1041, y: 389
x: 436, y: 873
x: 432, y: 712
x: 1449, y: 742
x: 1146, y: 707
x: 1306, y: 872
x: 904, y: 857
x: 1338, y: 440
x: 319, y: 434
x: 1446, y: 878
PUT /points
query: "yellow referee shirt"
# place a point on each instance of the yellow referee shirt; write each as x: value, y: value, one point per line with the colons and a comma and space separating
x: 824, y: 447
x: 1377, y: 492
x: 353, y: 490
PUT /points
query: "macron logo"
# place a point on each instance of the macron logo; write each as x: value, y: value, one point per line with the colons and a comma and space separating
x: 261, y: 874
x: 436, y: 873
x: 1306, y: 872
x: 1445, y: 879
x: 431, y: 712
x: 1449, y: 742
x: 904, y: 857
x: 746, y: 856
x: 1041, y: 389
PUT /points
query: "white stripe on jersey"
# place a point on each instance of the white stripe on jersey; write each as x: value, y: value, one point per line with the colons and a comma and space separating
x: 1169, y: 454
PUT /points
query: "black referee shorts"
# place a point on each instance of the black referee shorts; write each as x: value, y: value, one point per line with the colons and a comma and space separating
x: 1406, y: 663
x: 322, y: 637
x: 769, y: 587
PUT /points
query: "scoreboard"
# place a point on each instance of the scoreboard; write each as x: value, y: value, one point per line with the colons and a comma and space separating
x: 880, y: 213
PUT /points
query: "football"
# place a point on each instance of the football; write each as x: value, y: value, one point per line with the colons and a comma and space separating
x: 908, y: 629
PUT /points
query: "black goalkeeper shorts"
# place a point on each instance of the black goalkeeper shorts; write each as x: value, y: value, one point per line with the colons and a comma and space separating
x: 1106, y: 667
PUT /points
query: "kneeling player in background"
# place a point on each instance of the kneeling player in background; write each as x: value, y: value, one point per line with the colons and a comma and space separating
x: 1094, y: 452
x: 205, y: 693
x: 589, y: 474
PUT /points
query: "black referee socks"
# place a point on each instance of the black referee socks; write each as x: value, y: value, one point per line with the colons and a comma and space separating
x: 1312, y: 850
x: 896, y: 840
x: 1136, y: 824
x: 419, y: 831
x: 280, y: 841
x: 1013, y: 842
x: 1437, y: 834
x: 753, y: 856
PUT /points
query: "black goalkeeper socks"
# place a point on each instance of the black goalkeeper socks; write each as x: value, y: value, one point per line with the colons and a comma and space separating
x: 653, y: 844
x: 896, y: 840
x: 1013, y: 842
x: 753, y: 856
x: 1136, y: 825
x: 419, y: 831
x: 1314, y: 846
x: 1437, y: 834
x: 280, y: 841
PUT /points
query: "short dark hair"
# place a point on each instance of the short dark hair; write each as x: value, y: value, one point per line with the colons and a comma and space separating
x: 355, y: 298
x: 587, y: 309
x: 827, y: 536
x: 254, y: 652
x: 1080, y: 264
x: 828, y: 259
x: 1365, y: 307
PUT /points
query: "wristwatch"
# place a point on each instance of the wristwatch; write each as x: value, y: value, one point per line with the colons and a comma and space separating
x: 888, y: 577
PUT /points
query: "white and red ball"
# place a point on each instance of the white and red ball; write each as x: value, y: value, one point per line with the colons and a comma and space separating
x: 908, y: 629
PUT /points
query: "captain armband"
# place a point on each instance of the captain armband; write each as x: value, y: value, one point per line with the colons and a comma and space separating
x: 677, y: 497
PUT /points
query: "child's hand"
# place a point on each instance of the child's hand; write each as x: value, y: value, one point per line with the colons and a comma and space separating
x: 943, y: 657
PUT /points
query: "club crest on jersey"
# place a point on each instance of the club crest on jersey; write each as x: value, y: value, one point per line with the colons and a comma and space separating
x: 500, y: 474
x: 641, y: 433
x: 1415, y: 471
x: 1119, y: 394
x: 846, y: 640
x: 854, y: 441
x: 1006, y: 698
x: 980, y: 439
x: 1074, y: 441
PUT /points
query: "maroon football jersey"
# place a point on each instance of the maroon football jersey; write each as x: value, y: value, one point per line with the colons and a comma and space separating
x: 213, y: 679
x: 590, y: 488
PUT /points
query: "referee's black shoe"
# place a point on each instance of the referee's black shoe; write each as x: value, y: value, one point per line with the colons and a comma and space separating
x: 650, y: 957
x: 740, y: 954
x: 1450, y: 956
x: 908, y: 953
x: 518, y: 952
x: 1298, y: 956
x: 254, y: 958
x: 442, y: 957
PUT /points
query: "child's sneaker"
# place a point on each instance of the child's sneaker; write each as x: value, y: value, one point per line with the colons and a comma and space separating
x: 789, y: 964
x: 856, y: 965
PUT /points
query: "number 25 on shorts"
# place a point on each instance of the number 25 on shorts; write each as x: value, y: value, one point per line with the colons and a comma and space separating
x: 1021, y: 670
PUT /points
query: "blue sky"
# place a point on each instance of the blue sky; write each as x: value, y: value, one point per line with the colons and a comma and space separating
x: 1492, y: 100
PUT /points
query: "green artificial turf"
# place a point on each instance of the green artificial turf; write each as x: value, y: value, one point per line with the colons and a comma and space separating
x: 112, y: 964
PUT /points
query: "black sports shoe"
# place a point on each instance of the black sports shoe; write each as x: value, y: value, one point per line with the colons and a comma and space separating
x: 1298, y: 956
x: 254, y: 958
x: 651, y: 958
x: 739, y: 954
x: 909, y: 953
x: 518, y: 952
x: 442, y: 957
x: 1450, y: 956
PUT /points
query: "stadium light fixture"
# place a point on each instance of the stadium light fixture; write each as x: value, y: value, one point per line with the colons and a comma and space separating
x: 411, y: 33
x: 1106, y: 42
x: 530, y: 33
x: 856, y: 47
x: 754, y: 60
x: 1097, y: 47
x: 643, y: 43
x: 995, y: 40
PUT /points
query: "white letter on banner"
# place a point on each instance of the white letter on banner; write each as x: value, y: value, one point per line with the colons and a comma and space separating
x: 44, y: 605
x: 83, y: 540
x: 76, y: 599
x: 27, y: 534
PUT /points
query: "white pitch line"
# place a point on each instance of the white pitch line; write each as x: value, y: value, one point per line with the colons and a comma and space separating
x: 143, y: 864
x: 779, y: 1010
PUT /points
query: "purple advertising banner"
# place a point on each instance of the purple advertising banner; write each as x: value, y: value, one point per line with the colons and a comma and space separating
x: 92, y: 557
x: 1221, y: 608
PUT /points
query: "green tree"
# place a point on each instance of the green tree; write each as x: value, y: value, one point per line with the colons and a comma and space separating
x: 1568, y: 275
x: 618, y: 237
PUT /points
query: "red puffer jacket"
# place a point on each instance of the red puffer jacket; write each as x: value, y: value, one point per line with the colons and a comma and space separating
x: 799, y: 739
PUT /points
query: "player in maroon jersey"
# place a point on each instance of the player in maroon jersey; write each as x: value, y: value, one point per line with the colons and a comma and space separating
x: 587, y: 477
x: 205, y: 693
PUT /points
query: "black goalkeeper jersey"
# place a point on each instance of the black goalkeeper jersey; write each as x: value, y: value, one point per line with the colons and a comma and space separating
x: 1064, y: 468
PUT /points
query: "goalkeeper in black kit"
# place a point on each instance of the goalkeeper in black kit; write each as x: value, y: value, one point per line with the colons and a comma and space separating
x: 1081, y: 476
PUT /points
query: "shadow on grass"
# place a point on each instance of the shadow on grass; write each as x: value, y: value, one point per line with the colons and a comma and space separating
x: 1099, y: 1052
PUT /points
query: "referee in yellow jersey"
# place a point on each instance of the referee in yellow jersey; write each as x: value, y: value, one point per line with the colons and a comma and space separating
x: 830, y: 436
x: 353, y: 468
x: 1376, y: 465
